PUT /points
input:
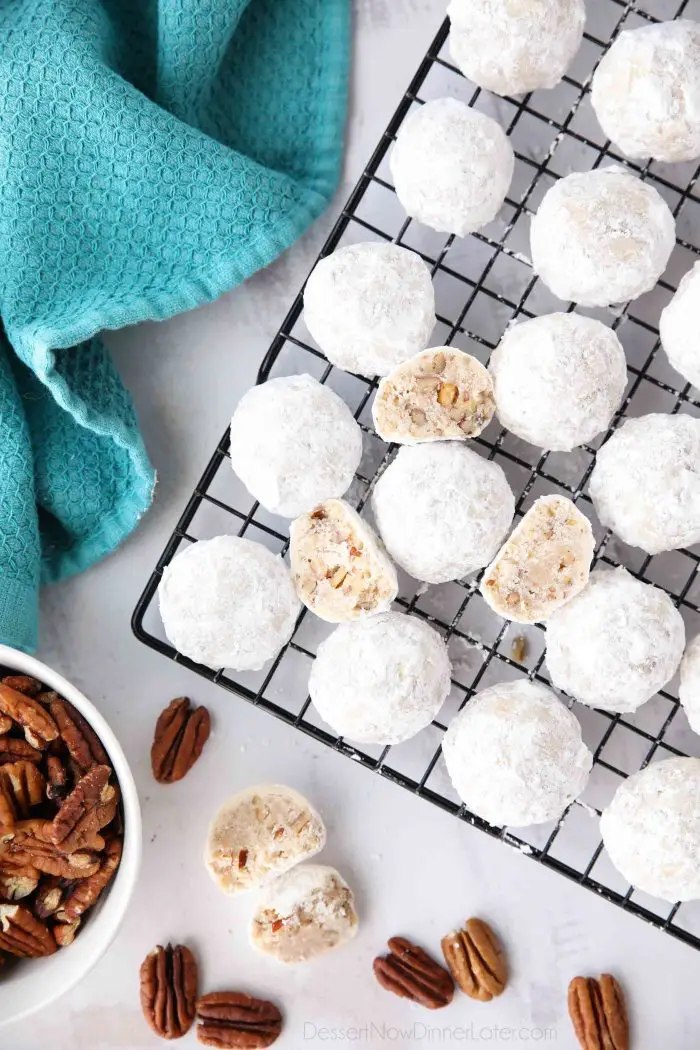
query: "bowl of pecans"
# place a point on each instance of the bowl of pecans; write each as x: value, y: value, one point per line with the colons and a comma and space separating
x: 70, y: 835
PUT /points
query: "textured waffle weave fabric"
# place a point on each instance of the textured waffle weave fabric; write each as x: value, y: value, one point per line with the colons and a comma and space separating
x: 152, y: 155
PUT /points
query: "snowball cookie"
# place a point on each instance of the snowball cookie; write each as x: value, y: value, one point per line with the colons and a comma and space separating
x: 294, y: 442
x: 651, y: 829
x: 601, y: 237
x: 616, y: 644
x: 646, y: 91
x: 370, y: 306
x: 440, y: 394
x: 515, y: 46
x: 382, y: 680
x: 228, y: 602
x: 442, y: 510
x: 558, y: 379
x: 261, y: 833
x: 515, y: 754
x: 678, y: 327
x: 304, y: 914
x: 452, y: 166
x: 543, y: 565
x: 689, y: 690
x: 339, y: 567
x: 645, y: 485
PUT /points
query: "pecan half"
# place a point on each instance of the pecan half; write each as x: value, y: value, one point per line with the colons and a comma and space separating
x: 38, y: 725
x: 21, y: 933
x: 181, y: 733
x: 409, y: 972
x: 23, y: 683
x: 12, y: 749
x: 232, y: 1019
x: 31, y: 846
x: 169, y: 990
x: 23, y: 784
x: 64, y: 932
x: 57, y: 787
x: 598, y: 1013
x: 49, y: 897
x: 7, y: 810
x: 476, y: 961
x: 90, y: 806
x: 5, y: 724
x: 83, y: 894
x: 16, y: 885
x: 78, y: 735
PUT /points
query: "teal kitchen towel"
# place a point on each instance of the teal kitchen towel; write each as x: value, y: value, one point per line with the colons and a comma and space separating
x: 153, y: 153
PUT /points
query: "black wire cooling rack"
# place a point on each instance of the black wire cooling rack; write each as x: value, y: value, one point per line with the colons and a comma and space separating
x: 481, y: 283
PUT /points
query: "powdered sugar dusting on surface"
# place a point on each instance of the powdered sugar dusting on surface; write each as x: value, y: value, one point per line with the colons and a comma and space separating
x: 646, y: 91
x: 294, y: 443
x: 452, y: 166
x: 616, y: 644
x: 381, y: 680
x: 442, y: 510
x: 370, y: 307
x: 558, y: 379
x: 515, y: 754
x: 514, y: 47
x: 228, y: 602
x: 646, y: 482
x: 601, y: 237
x: 651, y: 829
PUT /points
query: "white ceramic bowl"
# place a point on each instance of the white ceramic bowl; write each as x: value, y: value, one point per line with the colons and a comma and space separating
x: 34, y: 984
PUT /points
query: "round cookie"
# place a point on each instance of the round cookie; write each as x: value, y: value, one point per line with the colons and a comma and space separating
x: 259, y: 834
x: 544, y: 564
x: 228, y: 602
x: 651, y: 829
x: 616, y: 644
x: 645, y: 485
x: 689, y: 689
x: 510, y: 47
x: 382, y: 680
x: 678, y: 327
x: 440, y: 394
x: 304, y: 914
x: 646, y: 91
x: 370, y: 306
x: 340, y: 569
x: 294, y: 443
x: 601, y: 237
x: 558, y: 379
x: 442, y: 510
x: 515, y: 755
x: 452, y: 166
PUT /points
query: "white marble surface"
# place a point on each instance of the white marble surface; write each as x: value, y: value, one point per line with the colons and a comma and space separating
x: 416, y: 871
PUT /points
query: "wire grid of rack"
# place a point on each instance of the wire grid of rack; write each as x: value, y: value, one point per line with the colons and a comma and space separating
x: 482, y: 283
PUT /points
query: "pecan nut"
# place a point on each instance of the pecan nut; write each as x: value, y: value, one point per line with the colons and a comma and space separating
x: 232, y: 1019
x: 57, y: 787
x: 90, y: 806
x: 49, y: 897
x: 23, y: 784
x: 31, y: 845
x: 84, y: 893
x: 181, y: 733
x: 80, y: 738
x: 7, y: 811
x: 168, y: 979
x: 64, y: 932
x: 410, y: 972
x: 12, y: 749
x: 23, y: 683
x: 598, y: 1013
x: 475, y: 959
x: 17, y: 884
x: 21, y: 933
x: 38, y: 725
x: 5, y: 724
